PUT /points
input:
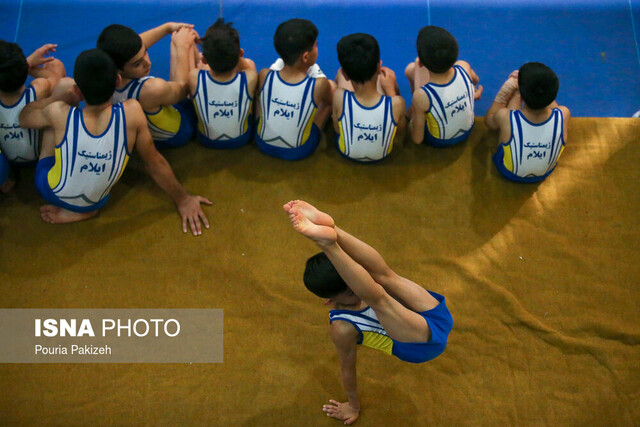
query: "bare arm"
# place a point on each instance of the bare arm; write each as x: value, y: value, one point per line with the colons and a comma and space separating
x: 336, y: 112
x: 474, y: 78
x: 182, y: 41
x: 42, y: 114
x: 323, y: 92
x: 158, y: 92
x: 46, y: 67
x: 504, y: 96
x: 153, y: 36
x: 421, y: 105
x: 158, y: 168
x: 262, y: 76
x: 345, y: 338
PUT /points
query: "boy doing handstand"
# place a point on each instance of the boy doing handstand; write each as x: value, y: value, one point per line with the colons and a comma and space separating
x: 372, y: 305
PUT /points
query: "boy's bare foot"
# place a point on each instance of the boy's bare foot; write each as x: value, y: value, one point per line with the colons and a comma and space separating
x: 310, y: 212
x: 8, y: 185
x: 321, y: 234
x: 56, y: 215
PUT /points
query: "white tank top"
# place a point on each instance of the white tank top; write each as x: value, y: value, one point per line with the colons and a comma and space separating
x: 287, y: 111
x: 18, y: 144
x: 130, y: 91
x: 534, y: 149
x: 87, y: 166
x: 366, y: 133
x: 451, y: 112
x: 223, y: 108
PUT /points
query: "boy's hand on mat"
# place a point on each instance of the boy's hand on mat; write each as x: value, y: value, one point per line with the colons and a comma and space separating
x: 37, y: 58
x: 191, y: 213
x: 478, y: 93
x: 341, y: 411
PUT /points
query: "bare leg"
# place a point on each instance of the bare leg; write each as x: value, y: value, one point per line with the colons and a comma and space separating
x: 515, y: 103
x: 401, y: 323
x: 409, y: 293
x: 57, y: 215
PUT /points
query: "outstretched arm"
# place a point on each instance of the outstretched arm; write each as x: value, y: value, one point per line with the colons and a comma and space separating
x: 153, y: 36
x: 36, y: 115
x: 188, y: 206
x: 345, y: 338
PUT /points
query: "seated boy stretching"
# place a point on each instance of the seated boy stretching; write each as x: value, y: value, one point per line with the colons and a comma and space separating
x: 443, y: 108
x: 85, y: 151
x: 223, y: 94
x: 21, y: 147
x: 292, y: 106
x: 169, y: 114
x: 365, y: 120
x: 372, y: 305
x: 532, y: 126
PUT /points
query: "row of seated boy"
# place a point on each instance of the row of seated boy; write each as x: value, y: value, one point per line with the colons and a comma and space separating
x: 212, y: 95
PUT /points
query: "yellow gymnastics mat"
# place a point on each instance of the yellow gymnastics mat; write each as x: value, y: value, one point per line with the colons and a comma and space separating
x: 542, y: 282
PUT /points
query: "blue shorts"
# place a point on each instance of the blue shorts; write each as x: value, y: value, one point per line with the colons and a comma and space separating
x: 187, y: 129
x: 441, y: 143
x: 42, y: 184
x: 292, y: 153
x: 498, y: 160
x: 4, y: 168
x: 228, y: 143
x: 440, y: 323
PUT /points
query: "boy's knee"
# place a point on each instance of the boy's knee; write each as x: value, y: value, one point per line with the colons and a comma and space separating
x: 410, y: 70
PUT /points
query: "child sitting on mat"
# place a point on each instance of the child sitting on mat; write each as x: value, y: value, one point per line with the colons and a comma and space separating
x: 532, y: 126
x: 371, y: 304
x: 21, y: 147
x: 292, y: 106
x: 442, y: 110
x: 170, y: 115
x: 365, y: 116
x: 223, y: 94
x: 85, y: 150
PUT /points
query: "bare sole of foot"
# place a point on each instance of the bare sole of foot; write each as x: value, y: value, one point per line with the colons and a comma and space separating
x: 310, y: 212
x: 57, y: 215
x: 321, y: 234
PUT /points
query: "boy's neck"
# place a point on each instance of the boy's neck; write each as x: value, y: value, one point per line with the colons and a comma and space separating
x: 536, y: 116
x: 11, y: 97
x: 442, y: 78
x: 97, y: 109
x: 294, y: 73
x: 224, y: 77
x: 367, y: 93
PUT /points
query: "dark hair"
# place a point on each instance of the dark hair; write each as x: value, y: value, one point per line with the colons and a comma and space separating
x: 538, y: 85
x: 121, y: 43
x: 359, y: 56
x: 96, y: 76
x: 321, y: 277
x: 221, y: 46
x: 437, y: 49
x: 13, y: 67
x: 293, y: 38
